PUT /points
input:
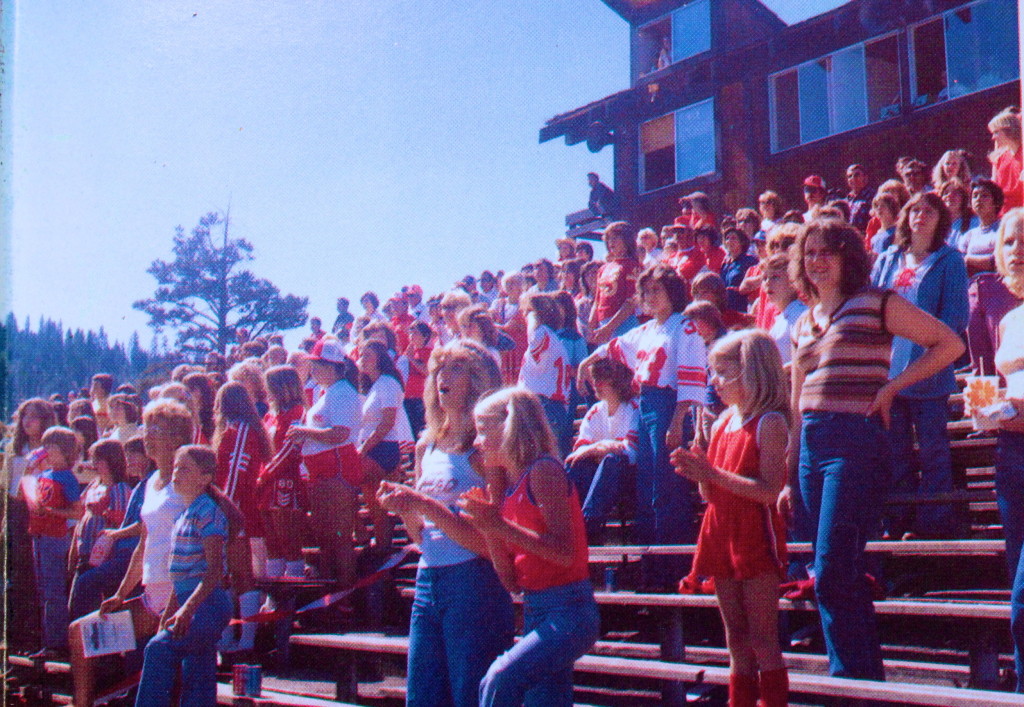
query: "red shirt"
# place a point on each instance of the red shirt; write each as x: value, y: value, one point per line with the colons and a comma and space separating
x: 533, y: 573
x: 239, y: 462
x: 616, y: 282
x: 401, y: 323
x: 690, y: 262
x: 1006, y: 173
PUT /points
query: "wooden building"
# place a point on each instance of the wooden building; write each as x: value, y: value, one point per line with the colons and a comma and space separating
x: 726, y: 98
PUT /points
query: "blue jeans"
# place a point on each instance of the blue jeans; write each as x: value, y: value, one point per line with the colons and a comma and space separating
x: 416, y: 411
x: 462, y: 619
x: 560, y: 421
x: 666, y: 505
x: 195, y: 653
x: 560, y: 624
x: 844, y: 479
x: 92, y: 585
x: 601, y: 483
x: 928, y: 419
x: 50, y: 558
x: 1010, y: 496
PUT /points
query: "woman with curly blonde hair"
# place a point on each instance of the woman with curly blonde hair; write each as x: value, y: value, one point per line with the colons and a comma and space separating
x: 453, y: 642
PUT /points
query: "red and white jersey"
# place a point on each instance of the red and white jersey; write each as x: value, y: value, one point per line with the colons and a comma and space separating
x: 545, y: 369
x: 624, y: 426
x: 669, y: 355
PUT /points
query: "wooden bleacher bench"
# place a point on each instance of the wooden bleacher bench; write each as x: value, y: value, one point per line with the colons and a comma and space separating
x: 599, y: 553
x: 800, y: 682
x: 269, y: 698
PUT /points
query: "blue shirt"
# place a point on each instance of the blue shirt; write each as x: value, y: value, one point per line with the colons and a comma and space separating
x: 133, y: 514
x: 201, y: 520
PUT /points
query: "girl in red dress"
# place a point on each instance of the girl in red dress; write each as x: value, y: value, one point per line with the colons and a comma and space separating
x: 742, y: 542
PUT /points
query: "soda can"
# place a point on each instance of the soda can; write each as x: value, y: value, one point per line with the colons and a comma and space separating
x: 37, y: 456
x: 238, y: 680
x: 253, y: 681
x: 609, y: 579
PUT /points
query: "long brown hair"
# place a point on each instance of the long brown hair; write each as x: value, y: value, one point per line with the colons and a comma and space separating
x: 111, y: 452
x: 842, y: 239
x: 903, y: 235
x: 235, y: 405
x: 42, y: 408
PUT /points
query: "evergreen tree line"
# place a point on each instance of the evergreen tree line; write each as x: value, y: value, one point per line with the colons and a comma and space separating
x: 54, y: 360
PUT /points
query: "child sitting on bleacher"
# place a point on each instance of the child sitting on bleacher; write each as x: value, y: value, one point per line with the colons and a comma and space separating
x: 742, y: 543
x: 604, y: 456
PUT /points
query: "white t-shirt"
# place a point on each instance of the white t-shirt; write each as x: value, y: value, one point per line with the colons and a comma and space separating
x: 669, y: 355
x: 160, y: 509
x: 781, y: 329
x: 385, y: 392
x: 339, y: 406
x: 624, y: 426
x: 545, y: 369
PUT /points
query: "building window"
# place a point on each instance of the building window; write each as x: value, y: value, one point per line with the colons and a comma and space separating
x: 838, y: 92
x: 965, y: 50
x: 679, y: 35
x: 679, y: 146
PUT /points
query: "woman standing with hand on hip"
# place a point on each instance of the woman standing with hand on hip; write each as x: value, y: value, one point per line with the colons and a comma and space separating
x: 1010, y: 445
x: 841, y: 388
x: 462, y: 617
x: 538, y: 544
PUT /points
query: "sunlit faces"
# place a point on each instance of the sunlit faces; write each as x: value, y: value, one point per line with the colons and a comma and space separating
x: 616, y: 245
x: 1001, y: 139
x: 733, y: 245
x: 158, y: 440
x: 952, y: 166
x: 187, y: 478
x: 983, y: 203
x: 55, y: 457
x: 647, y: 240
x: 452, y: 381
x: 1013, y: 249
x: 954, y: 201
x: 822, y: 264
x: 655, y: 300
x: 856, y: 179
x: 777, y: 286
x: 368, y: 364
x: 32, y: 423
x: 322, y: 373
x: 490, y: 433
x: 923, y: 219
x: 725, y: 376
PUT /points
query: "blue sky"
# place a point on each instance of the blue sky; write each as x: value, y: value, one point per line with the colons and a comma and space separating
x: 359, y: 145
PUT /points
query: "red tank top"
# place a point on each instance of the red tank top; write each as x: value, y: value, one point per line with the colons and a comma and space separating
x: 739, y: 538
x: 532, y: 572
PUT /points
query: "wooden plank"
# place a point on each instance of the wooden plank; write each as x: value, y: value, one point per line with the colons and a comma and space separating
x: 891, y: 547
x: 399, y: 645
x: 999, y: 611
x: 272, y: 697
x: 907, y: 693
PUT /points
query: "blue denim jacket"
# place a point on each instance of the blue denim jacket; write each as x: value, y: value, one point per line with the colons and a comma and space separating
x: 943, y: 294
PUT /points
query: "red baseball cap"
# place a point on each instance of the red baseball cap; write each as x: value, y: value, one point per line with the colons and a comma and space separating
x: 815, y: 182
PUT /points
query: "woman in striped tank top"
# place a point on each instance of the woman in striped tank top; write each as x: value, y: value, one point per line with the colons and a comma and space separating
x: 841, y: 388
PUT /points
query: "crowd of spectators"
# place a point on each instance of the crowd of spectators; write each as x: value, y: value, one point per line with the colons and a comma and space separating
x: 302, y: 439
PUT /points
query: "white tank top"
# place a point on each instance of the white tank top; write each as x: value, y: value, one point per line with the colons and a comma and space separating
x: 444, y: 477
x: 160, y: 508
x: 1010, y: 356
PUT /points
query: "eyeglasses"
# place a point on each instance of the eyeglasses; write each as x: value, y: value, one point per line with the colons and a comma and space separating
x: 717, y: 378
